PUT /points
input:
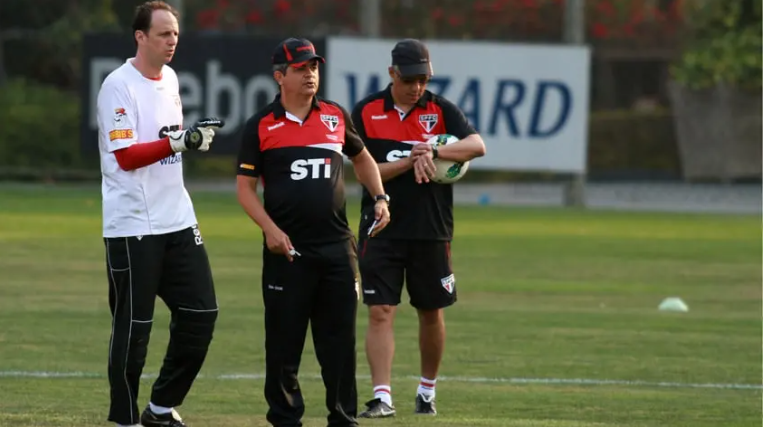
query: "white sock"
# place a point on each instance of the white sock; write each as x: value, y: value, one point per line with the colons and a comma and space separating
x: 426, y: 388
x: 383, y: 392
x: 159, y: 410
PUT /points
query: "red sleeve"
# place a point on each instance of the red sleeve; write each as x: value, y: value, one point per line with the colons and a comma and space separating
x: 140, y: 155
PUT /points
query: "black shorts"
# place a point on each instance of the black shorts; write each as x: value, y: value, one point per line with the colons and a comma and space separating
x: 424, y: 265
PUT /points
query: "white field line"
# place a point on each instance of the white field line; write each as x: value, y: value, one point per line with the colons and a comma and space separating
x: 549, y: 381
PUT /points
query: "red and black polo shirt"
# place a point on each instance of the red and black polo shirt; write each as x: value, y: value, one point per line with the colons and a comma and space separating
x: 418, y: 211
x: 301, y: 167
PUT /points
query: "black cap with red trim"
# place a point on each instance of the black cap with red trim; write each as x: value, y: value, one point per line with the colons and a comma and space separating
x: 295, y: 52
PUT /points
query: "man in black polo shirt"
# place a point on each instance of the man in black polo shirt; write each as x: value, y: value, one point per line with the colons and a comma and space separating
x: 415, y: 247
x: 295, y: 146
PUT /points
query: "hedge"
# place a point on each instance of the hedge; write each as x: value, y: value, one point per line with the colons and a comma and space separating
x: 39, y: 131
x: 39, y: 138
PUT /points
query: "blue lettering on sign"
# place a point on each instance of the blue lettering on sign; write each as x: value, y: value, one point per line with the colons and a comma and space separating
x: 374, y: 85
x: 540, y: 99
x: 171, y: 160
x: 510, y: 95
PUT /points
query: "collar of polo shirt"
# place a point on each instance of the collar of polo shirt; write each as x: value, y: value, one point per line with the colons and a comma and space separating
x: 279, y: 111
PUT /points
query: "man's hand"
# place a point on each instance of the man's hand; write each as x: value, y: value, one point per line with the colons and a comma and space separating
x: 424, y: 168
x: 421, y: 150
x: 381, y: 217
x: 278, y: 243
x: 197, y: 137
x: 423, y: 162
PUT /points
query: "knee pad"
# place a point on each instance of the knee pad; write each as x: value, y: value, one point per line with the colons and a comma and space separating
x: 193, y: 329
x: 141, y: 333
x: 128, y: 350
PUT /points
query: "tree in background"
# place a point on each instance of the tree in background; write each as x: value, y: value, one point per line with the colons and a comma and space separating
x: 41, y: 39
x: 724, y: 45
x: 40, y: 61
x: 716, y: 91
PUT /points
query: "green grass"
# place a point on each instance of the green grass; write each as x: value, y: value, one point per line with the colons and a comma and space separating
x: 543, y: 293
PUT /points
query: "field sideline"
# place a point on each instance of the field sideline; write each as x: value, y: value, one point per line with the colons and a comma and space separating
x: 556, y: 325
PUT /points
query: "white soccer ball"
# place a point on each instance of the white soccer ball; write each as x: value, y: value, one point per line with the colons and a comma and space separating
x: 447, y: 171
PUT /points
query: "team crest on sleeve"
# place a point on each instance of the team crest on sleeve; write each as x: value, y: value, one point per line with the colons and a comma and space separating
x: 428, y: 121
x: 119, y: 116
x: 331, y: 122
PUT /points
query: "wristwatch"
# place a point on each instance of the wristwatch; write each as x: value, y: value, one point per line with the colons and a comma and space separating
x: 384, y: 197
x: 434, y: 152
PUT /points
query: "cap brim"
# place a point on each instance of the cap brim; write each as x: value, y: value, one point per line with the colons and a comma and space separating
x: 305, y: 59
x: 415, y: 70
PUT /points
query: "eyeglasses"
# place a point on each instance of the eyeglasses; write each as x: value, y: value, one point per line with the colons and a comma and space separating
x: 409, y: 80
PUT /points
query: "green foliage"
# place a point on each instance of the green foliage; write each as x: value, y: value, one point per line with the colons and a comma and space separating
x: 632, y: 141
x: 48, y: 46
x: 39, y: 127
x: 724, y: 47
x: 201, y: 165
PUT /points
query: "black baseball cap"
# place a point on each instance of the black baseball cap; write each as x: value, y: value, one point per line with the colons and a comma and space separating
x: 412, y: 58
x: 295, y: 52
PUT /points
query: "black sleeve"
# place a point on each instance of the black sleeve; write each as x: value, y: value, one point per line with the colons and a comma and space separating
x: 456, y: 123
x: 357, y: 120
x: 353, y: 144
x: 249, y: 151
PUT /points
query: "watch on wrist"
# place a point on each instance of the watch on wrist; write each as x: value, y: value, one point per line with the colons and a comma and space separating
x: 380, y: 197
x: 434, y: 152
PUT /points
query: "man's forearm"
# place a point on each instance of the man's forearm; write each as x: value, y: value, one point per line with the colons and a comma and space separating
x: 367, y: 172
x: 462, y: 151
x: 393, y: 169
x: 143, y: 154
x: 250, y: 202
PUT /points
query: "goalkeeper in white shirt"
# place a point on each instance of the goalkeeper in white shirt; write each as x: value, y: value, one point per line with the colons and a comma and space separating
x: 152, y: 240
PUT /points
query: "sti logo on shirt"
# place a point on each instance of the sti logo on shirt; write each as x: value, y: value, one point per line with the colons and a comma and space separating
x: 165, y: 129
x: 300, y: 169
x: 175, y: 158
x: 395, y: 155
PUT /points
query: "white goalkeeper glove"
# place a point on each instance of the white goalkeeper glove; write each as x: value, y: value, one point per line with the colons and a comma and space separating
x: 197, y: 137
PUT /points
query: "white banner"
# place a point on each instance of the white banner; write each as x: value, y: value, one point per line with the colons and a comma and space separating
x: 529, y: 102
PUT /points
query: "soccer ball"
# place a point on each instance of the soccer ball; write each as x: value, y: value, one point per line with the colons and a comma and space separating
x: 447, y: 171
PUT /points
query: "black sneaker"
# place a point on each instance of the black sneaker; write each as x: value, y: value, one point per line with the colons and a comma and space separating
x: 150, y: 419
x: 425, y: 406
x: 377, y: 409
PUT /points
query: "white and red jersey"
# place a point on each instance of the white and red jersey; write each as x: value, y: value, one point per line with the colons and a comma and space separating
x: 133, y: 109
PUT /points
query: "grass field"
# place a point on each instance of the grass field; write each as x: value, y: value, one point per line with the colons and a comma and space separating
x: 544, y: 294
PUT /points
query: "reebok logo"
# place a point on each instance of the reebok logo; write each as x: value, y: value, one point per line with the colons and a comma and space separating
x: 276, y: 126
x: 197, y: 236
